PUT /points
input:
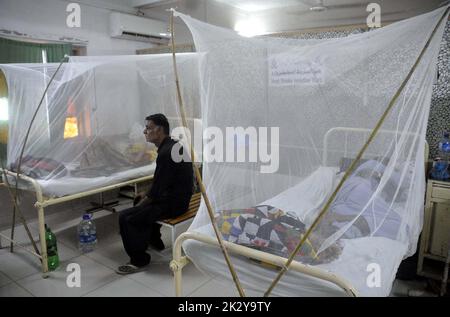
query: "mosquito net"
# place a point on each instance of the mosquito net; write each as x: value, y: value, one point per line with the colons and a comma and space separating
x: 89, y: 130
x: 285, y: 118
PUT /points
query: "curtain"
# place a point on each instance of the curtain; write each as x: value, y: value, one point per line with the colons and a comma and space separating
x: 55, y: 52
x: 3, y: 123
x: 12, y: 51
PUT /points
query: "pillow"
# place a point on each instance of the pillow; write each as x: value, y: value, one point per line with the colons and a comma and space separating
x: 345, y: 162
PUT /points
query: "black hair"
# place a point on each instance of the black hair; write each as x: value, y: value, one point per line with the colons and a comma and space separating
x: 160, y: 120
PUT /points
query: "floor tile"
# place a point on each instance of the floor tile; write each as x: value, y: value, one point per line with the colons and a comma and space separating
x: 160, y: 277
x: 4, y: 279
x: 13, y: 290
x: 18, y: 264
x: 124, y: 287
x: 92, y: 276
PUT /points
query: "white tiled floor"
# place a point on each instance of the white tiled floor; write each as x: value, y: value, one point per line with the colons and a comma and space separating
x: 124, y: 287
x: 4, y: 279
x: 20, y: 273
x: 13, y: 290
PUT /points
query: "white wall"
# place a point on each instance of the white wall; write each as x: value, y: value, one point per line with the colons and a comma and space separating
x: 47, y: 19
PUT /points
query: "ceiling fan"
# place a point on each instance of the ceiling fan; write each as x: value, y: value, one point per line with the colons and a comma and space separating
x: 191, y: 4
x: 321, y: 6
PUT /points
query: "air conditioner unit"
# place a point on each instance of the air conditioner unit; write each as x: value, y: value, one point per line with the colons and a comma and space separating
x: 130, y: 27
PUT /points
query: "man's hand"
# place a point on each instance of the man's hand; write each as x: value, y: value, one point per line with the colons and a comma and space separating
x: 140, y: 199
x: 137, y: 199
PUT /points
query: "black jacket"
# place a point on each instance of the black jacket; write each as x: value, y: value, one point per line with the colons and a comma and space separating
x: 172, y: 181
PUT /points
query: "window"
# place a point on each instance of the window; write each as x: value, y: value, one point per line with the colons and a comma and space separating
x: 44, y: 56
x: 4, y: 117
x: 3, y: 109
x: 3, y: 98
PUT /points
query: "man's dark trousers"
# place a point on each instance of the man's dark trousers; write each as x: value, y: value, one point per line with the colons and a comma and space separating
x: 137, y: 226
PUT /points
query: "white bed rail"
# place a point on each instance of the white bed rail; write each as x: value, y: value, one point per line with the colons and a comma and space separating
x: 180, y: 261
x: 363, y: 131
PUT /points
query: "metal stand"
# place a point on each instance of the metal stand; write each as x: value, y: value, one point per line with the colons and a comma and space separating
x: 42, y: 203
x: 102, y: 205
x: 445, y: 275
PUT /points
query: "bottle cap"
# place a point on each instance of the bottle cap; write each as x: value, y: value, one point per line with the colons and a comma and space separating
x: 87, y: 216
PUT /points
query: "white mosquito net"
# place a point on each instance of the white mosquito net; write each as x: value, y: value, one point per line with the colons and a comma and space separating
x: 88, y: 132
x: 286, y: 117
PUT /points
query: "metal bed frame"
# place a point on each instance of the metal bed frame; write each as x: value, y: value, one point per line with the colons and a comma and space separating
x: 180, y: 260
x: 42, y: 202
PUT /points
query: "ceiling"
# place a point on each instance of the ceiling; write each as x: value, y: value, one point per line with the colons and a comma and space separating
x: 282, y: 15
x: 262, y: 5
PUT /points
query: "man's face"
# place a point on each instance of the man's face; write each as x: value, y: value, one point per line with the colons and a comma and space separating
x: 152, y: 132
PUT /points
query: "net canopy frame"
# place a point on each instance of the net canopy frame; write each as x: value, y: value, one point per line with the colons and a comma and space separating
x: 307, y: 89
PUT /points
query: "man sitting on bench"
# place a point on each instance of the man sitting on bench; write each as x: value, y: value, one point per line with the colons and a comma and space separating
x: 168, y: 197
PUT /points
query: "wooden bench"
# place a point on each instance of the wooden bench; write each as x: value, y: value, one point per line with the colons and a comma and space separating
x: 185, y: 218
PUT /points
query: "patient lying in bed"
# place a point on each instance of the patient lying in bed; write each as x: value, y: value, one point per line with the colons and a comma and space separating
x: 372, y: 213
x: 275, y: 231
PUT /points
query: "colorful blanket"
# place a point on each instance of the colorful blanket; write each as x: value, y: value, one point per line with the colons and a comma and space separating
x: 271, y: 230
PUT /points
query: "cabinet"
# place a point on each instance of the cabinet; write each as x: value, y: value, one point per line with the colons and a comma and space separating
x: 435, y: 239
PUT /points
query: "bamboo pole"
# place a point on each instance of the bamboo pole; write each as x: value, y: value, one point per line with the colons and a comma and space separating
x: 13, y: 225
x: 356, y: 160
x: 23, y: 150
x: 22, y: 218
x: 197, y: 172
x: 19, y: 245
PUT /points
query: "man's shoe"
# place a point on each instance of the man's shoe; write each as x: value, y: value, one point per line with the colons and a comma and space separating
x: 130, y: 269
x: 157, y: 244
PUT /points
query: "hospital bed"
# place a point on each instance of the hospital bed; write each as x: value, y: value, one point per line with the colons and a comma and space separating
x: 75, y: 185
x: 336, y: 278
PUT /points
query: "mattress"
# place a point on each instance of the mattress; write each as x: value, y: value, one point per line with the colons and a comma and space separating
x: 360, y: 261
x: 69, y: 185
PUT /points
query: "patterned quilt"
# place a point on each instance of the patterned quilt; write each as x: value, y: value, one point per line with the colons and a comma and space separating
x: 272, y: 230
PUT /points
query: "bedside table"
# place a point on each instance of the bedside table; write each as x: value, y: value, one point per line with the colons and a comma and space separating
x: 435, y: 239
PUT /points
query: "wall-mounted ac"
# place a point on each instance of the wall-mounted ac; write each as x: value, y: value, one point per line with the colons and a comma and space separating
x: 130, y: 27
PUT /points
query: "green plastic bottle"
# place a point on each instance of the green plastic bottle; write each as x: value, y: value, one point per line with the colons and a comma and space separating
x: 52, y: 249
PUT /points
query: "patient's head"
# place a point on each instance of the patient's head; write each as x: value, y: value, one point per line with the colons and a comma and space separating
x: 156, y: 128
x: 393, y: 189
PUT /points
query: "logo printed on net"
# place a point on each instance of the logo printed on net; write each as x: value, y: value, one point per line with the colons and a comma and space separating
x: 236, y: 145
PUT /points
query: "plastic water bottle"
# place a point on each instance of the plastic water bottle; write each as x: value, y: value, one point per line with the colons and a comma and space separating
x: 87, y: 234
x: 444, y: 147
x: 52, y: 249
x: 440, y: 164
